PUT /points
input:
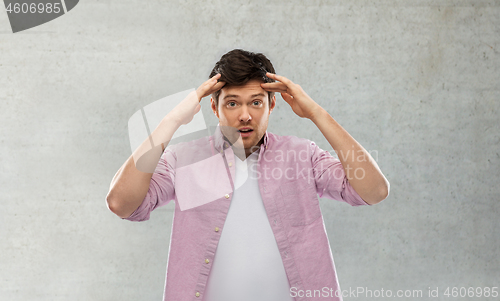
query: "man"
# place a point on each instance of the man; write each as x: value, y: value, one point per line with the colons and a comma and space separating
x: 247, y: 223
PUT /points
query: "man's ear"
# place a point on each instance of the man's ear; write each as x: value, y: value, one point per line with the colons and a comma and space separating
x: 273, y: 104
x: 214, y: 107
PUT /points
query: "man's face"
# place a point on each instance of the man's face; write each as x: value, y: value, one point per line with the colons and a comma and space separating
x: 243, y: 107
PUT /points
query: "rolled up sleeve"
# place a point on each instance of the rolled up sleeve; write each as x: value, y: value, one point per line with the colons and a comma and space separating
x: 330, y: 177
x: 161, y: 187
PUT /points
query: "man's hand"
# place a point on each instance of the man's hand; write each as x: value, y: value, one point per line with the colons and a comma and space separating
x: 209, y: 87
x: 302, y: 105
x: 184, y: 112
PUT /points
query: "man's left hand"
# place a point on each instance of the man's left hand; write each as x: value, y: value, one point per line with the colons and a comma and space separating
x: 302, y: 105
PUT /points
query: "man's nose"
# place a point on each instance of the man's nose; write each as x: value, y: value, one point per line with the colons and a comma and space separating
x: 245, y: 114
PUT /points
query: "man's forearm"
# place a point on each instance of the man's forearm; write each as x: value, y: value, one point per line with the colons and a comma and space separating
x: 362, y: 171
x: 131, y: 183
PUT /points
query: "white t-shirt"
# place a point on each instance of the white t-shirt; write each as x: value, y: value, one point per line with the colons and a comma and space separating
x: 247, y: 265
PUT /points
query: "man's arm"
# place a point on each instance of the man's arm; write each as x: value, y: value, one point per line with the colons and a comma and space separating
x: 372, y: 186
x: 364, y: 175
x: 131, y: 183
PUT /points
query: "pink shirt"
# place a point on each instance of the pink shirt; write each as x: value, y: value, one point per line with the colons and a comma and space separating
x: 291, y: 173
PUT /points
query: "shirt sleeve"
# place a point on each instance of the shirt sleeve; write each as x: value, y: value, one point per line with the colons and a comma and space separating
x: 330, y: 177
x: 161, y: 187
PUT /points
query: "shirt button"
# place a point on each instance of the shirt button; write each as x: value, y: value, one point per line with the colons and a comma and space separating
x: 275, y: 222
x: 207, y: 261
x: 230, y: 164
x: 197, y: 294
x: 216, y: 229
x: 227, y: 196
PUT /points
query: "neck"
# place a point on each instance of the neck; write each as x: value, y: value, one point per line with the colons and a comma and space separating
x: 249, y: 151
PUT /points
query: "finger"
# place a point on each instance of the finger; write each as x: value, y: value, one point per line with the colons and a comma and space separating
x: 292, y: 88
x: 287, y: 97
x: 212, y: 81
x: 277, y: 89
x: 220, y: 84
x: 274, y: 87
x: 216, y: 87
x: 211, y: 89
x: 280, y: 78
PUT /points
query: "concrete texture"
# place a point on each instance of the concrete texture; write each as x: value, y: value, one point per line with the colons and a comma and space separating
x: 415, y: 82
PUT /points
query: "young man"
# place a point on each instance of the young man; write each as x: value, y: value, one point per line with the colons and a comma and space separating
x: 247, y: 223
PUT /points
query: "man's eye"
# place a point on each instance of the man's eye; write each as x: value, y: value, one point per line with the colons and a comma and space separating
x: 257, y: 102
x: 231, y: 104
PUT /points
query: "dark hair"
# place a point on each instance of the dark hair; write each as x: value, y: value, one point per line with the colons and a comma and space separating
x: 237, y: 67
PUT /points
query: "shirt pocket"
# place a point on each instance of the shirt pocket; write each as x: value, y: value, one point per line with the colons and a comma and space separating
x: 301, y: 202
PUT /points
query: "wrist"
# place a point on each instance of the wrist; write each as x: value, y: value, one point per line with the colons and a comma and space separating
x: 172, y: 120
x: 317, y: 114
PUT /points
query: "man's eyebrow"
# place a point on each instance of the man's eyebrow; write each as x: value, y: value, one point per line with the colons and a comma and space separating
x: 237, y: 96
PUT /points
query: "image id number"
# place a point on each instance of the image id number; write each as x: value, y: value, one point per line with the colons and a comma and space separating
x: 33, y: 8
x: 471, y: 292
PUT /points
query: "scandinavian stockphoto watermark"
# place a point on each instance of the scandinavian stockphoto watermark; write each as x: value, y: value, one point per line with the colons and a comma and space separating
x: 429, y: 292
x: 295, y: 170
x: 26, y: 14
x: 356, y: 292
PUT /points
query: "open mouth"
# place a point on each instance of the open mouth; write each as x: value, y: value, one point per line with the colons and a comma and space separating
x: 245, y: 132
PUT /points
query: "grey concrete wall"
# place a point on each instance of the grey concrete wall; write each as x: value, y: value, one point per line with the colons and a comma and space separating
x: 415, y: 82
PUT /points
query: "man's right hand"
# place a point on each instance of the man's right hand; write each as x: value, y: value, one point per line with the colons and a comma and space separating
x: 184, y: 112
x: 209, y: 87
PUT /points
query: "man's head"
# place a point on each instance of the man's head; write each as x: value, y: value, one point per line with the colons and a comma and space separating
x: 242, y: 103
x: 237, y: 67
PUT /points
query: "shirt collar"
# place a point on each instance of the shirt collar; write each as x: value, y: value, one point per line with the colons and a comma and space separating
x: 220, y: 142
